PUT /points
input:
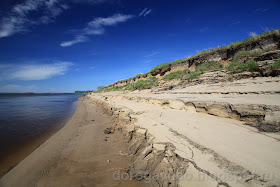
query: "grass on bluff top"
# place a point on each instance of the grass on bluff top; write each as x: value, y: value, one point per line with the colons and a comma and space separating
x: 209, y: 66
x: 235, y: 67
x: 141, y: 84
x: 128, y: 86
x: 200, y: 69
x: 146, y: 83
x: 267, y: 33
x: 175, y: 75
x: 241, y: 54
x: 167, y: 63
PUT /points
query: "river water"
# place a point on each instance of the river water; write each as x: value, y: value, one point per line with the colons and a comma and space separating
x: 27, y: 120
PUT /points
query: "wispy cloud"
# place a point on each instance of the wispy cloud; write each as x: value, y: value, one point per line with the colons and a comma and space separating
x: 145, y: 12
x: 33, y: 71
x: 96, y: 27
x: 78, y: 39
x: 148, y: 60
x: 262, y: 10
x: 235, y: 23
x: 152, y: 54
x: 20, y: 17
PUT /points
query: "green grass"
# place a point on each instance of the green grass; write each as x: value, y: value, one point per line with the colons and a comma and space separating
x: 200, y: 69
x: 209, y: 66
x: 114, y: 88
x: 267, y: 33
x: 128, y: 87
x: 235, y: 67
x: 175, y: 75
x: 240, y: 54
x: 194, y: 75
x: 146, y: 83
x: 165, y: 64
x: 276, y: 64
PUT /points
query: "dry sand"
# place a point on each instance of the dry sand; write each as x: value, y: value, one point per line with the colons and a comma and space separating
x: 77, y: 155
x: 225, y: 149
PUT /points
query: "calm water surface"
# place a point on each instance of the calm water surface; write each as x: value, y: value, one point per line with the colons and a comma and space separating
x: 25, y: 117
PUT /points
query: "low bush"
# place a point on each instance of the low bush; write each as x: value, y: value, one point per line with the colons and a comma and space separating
x: 209, y: 66
x: 146, y: 83
x: 194, y: 75
x: 175, y: 75
x: 276, y: 64
x: 235, y: 67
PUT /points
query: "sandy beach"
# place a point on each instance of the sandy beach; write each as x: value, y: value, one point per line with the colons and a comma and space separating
x: 226, y: 134
x: 80, y: 154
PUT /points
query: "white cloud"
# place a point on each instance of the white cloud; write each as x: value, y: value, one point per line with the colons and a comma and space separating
x: 99, y: 23
x: 33, y: 71
x: 20, y: 17
x: 145, y: 12
x: 96, y: 27
x: 78, y: 39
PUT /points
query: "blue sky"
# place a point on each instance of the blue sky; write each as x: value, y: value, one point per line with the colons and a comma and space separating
x: 68, y: 45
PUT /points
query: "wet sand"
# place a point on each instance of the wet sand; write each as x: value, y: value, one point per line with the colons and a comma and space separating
x: 79, y: 154
x: 23, y: 131
x: 10, y: 158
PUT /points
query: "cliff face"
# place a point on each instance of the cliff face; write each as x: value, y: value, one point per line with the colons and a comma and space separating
x: 223, y: 54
